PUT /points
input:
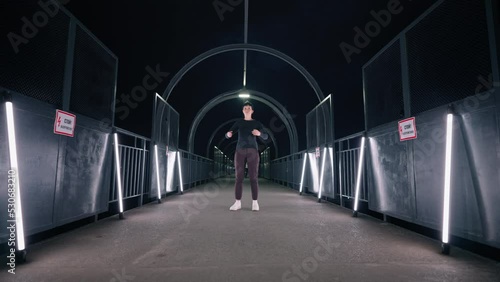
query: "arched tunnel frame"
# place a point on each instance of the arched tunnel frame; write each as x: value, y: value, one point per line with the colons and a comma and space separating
x: 235, y: 47
x: 256, y: 95
x: 211, y: 139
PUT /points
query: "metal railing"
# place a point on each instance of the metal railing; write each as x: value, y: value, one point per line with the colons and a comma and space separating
x: 348, y: 151
x: 135, y: 168
x: 134, y: 164
x: 196, y: 169
x: 287, y: 170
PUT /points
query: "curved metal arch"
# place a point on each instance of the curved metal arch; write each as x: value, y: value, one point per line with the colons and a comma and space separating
x: 256, y: 95
x: 235, y: 47
x: 241, y: 47
x: 271, y: 135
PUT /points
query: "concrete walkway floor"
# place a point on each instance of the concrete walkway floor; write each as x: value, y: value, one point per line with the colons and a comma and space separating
x: 194, y: 237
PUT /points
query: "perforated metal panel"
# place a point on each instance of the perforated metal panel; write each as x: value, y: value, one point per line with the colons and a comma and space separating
x: 32, y: 61
x: 93, y: 84
x: 311, y: 130
x: 448, y: 50
x: 383, y: 87
x: 319, y: 125
x: 174, y: 130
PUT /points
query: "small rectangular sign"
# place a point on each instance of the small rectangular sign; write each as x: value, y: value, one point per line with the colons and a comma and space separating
x: 65, y: 123
x: 317, y: 152
x: 407, y: 129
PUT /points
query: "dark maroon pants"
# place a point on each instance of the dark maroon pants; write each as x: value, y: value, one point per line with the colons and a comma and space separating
x: 252, y: 158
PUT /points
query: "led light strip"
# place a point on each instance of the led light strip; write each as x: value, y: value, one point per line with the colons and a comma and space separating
x: 14, y: 166
x: 322, y: 174
x: 303, y: 172
x: 171, y: 166
x: 331, y: 163
x: 118, y: 174
x: 360, y: 171
x: 447, y: 178
x: 157, y: 173
x: 180, y: 172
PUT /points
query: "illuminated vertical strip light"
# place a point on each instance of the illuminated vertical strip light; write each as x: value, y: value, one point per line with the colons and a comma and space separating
x: 447, y: 179
x: 171, y: 166
x: 360, y: 171
x: 331, y: 163
x: 118, y: 174
x: 303, y: 172
x: 322, y: 174
x: 14, y: 166
x: 314, y: 171
x: 340, y: 175
x: 180, y: 172
x: 157, y: 173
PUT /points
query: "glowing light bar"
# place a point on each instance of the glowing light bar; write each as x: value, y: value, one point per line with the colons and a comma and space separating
x: 171, y: 166
x: 331, y: 161
x: 360, y: 171
x: 180, y: 172
x: 314, y: 171
x: 15, y: 172
x: 340, y: 177
x: 118, y: 174
x: 322, y: 174
x: 303, y: 172
x: 447, y: 178
x: 157, y: 173
x: 244, y: 95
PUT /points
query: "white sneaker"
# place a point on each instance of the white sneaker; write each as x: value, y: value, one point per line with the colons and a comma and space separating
x: 255, y: 206
x: 236, y: 206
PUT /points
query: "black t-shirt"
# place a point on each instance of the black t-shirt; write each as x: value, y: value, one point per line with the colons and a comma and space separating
x: 245, y: 137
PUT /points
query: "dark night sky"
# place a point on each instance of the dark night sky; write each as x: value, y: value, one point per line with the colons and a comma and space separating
x: 171, y: 33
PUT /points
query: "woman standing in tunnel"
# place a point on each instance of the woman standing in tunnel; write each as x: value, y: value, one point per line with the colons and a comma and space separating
x: 247, y: 151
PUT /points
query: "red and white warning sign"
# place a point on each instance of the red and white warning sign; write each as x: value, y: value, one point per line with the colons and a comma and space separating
x: 65, y: 123
x: 407, y: 129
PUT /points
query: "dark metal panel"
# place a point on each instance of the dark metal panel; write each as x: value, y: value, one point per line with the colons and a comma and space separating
x: 36, y: 68
x: 475, y: 170
x: 37, y: 149
x: 87, y: 173
x: 383, y: 92
x: 389, y: 190
x: 444, y: 64
x: 37, y: 154
x: 428, y: 154
x: 173, y: 140
x: 475, y: 213
x: 480, y: 155
x: 93, y: 88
